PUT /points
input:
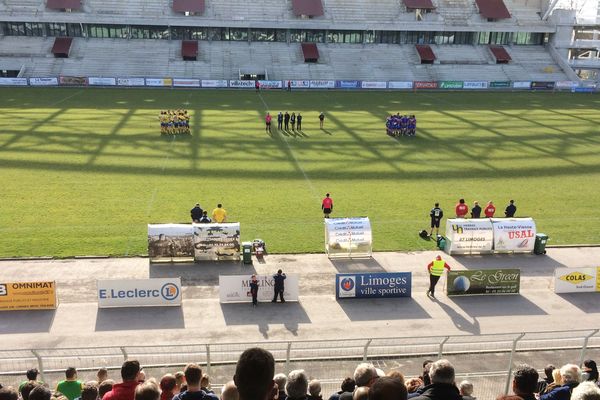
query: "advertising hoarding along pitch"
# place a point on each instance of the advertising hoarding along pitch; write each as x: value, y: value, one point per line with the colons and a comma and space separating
x: 467, y: 236
x: 214, y: 83
x: 43, y: 81
x: 374, y: 85
x: 514, y: 234
x: 131, y: 82
x: 101, y: 81
x: 348, y: 237
x: 139, y: 292
x: 27, y: 296
x: 236, y: 288
x: 400, y: 85
x: 577, y: 280
x: 380, y: 285
x: 478, y: 282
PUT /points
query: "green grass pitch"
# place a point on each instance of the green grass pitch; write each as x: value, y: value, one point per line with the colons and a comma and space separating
x: 84, y: 170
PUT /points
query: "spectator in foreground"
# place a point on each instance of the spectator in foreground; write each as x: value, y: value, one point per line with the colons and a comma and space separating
x: 27, y: 388
x: 101, y: 375
x: 205, y: 384
x: 280, y: 381
x: 126, y: 389
x: 396, y: 374
x: 511, y: 209
x: 229, y: 392
x: 147, y: 391
x: 413, y: 384
x: 361, y: 393
x: 388, y: 388
x: 219, y: 214
x: 105, y: 387
x: 31, y: 375
x: 571, y: 376
x: 70, y: 387
x: 180, y: 379
x: 8, y: 393
x: 168, y: 386
x: 442, y: 385
x: 254, y: 375
x: 89, y: 391
x: 296, y: 387
x: 347, y: 387
x: 40, y: 393
x: 543, y: 383
x: 591, y: 369
x: 525, y: 381
x: 365, y: 374
x: 193, y: 376
x: 586, y: 391
x: 465, y: 389
x: 556, y: 381
x: 314, y: 390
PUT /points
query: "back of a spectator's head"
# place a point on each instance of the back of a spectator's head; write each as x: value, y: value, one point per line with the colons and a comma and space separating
x: 180, y: 378
x: 89, y: 391
x: 168, y: 383
x: 297, y: 384
x: 365, y: 374
x: 548, y: 372
x: 280, y: 379
x: 586, y: 391
x: 40, y: 393
x: 570, y: 373
x: 147, y: 391
x: 314, y: 387
x: 441, y: 371
x: 32, y: 374
x: 129, y: 370
x: 71, y: 372
x: 193, y: 374
x: 27, y: 388
x: 230, y: 392
x: 348, y: 385
x: 205, y: 380
x: 525, y: 380
x: 254, y: 374
x: 361, y: 393
x: 388, y: 388
x: 412, y: 384
x: 425, y: 375
x: 8, y: 393
x: 105, y: 387
x: 102, y: 374
x: 465, y: 388
x: 397, y: 374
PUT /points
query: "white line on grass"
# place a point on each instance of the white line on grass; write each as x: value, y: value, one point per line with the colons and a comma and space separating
x: 66, y: 98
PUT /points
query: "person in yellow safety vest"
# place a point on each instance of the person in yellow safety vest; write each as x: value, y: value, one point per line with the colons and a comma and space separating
x: 436, y: 269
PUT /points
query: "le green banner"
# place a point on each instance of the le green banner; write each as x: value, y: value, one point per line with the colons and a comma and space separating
x: 478, y: 282
x: 451, y: 85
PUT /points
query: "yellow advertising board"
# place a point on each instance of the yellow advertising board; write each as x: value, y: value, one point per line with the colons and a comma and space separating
x: 27, y: 296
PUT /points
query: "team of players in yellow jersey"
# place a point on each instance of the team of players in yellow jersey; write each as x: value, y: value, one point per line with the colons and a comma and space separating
x: 174, y: 122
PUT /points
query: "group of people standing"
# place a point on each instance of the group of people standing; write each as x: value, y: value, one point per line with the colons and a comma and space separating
x: 278, y: 288
x: 462, y: 210
x: 200, y: 216
x: 284, y: 121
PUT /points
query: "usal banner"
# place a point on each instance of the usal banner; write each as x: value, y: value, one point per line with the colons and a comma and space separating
x: 500, y: 84
x: 170, y: 241
x: 139, y: 292
x: 217, y: 241
x: 236, y: 288
x: 514, y: 234
x: 379, y: 285
x: 27, y: 296
x: 577, y: 280
x: 467, y: 236
x: 489, y: 281
x: 536, y: 85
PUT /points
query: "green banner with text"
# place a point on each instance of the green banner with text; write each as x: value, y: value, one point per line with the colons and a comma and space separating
x: 451, y: 85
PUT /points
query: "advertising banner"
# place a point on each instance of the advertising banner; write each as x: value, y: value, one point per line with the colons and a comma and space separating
x: 577, y: 280
x: 565, y: 84
x: 97, y: 81
x: 522, y: 85
x: 131, y: 82
x: 514, y: 234
x: 536, y: 85
x: 347, y: 84
x: 139, y: 292
x: 236, y: 288
x: 400, y: 85
x: 426, y: 85
x: 451, y: 85
x: 475, y: 85
x: 373, y: 85
x: 217, y: 241
x: 373, y: 286
x: 322, y: 84
x: 73, y: 81
x: 27, y: 296
x: 214, y: 83
x: 583, y: 90
x: 159, y: 82
x: 348, y: 237
x: 242, y: 84
x: 271, y: 84
x: 170, y: 241
x: 467, y: 236
x: 178, y: 82
x: 489, y: 281
x: 43, y: 81
x: 500, y: 84
x: 13, y: 81
x: 299, y: 84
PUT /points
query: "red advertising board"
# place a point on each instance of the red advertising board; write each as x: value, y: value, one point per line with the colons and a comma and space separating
x: 426, y: 85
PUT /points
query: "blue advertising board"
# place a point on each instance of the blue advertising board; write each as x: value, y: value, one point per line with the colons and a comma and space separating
x: 348, y: 84
x: 380, y: 285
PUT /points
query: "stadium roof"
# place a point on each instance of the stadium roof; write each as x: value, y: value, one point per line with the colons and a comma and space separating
x: 310, y: 51
x: 62, y: 46
x: 311, y: 8
x: 500, y: 53
x: 64, y: 4
x: 421, y: 4
x: 425, y: 52
x: 194, y: 6
x: 494, y: 9
x: 189, y: 49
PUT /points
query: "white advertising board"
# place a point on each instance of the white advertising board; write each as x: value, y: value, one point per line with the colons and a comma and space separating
x: 214, y: 83
x: 467, y: 236
x: 299, y: 84
x: 13, y: 81
x: 131, y: 82
x: 400, y: 85
x: 322, y: 84
x: 98, y: 81
x: 514, y: 234
x: 236, y: 288
x: 373, y: 85
x: 271, y: 84
x: 242, y: 84
x: 475, y: 85
x: 348, y: 237
x: 159, y: 81
x: 522, y: 85
x: 577, y: 280
x: 565, y: 84
x: 139, y: 292
x: 179, y: 82
x: 43, y: 81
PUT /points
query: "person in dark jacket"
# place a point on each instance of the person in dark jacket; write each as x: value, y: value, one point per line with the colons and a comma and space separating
x: 278, y: 287
x: 286, y: 121
x: 196, y: 213
x: 388, y: 388
x: 254, y: 375
x: 193, y: 376
x: 476, y: 210
x: 525, y: 382
x: 254, y: 290
x: 511, y: 209
x: 347, y: 386
x: 571, y: 376
x: 442, y: 385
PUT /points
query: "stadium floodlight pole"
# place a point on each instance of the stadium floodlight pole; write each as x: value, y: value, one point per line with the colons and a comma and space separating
x: 40, y: 364
x: 288, y: 354
x: 366, y: 349
x: 584, y: 347
x: 125, y: 355
x: 442, y: 343
x: 208, y: 359
x: 510, y: 363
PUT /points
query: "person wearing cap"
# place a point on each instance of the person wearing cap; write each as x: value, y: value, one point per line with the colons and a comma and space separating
x: 436, y: 269
x: 254, y: 290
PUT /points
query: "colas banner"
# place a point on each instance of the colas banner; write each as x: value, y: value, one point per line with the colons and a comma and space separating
x: 489, y: 281
x: 575, y: 280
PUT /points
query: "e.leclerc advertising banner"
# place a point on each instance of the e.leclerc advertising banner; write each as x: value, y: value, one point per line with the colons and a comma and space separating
x: 380, y: 285
x: 27, y: 296
x: 467, y: 236
x: 236, y: 288
x: 577, y: 280
x: 139, y: 292
x: 514, y: 234
x: 478, y: 282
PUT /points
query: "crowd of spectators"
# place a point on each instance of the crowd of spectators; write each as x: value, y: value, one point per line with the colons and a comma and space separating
x: 255, y: 379
x: 401, y: 125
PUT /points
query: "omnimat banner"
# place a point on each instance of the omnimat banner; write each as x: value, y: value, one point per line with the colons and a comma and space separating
x: 27, y: 296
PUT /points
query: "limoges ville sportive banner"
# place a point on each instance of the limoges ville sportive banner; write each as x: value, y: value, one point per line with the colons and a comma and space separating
x: 467, y: 236
x: 514, y: 234
x: 236, y: 288
x: 348, y: 237
x: 27, y: 296
x: 217, y: 241
x: 379, y: 285
x: 478, y: 282
x: 576, y: 280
